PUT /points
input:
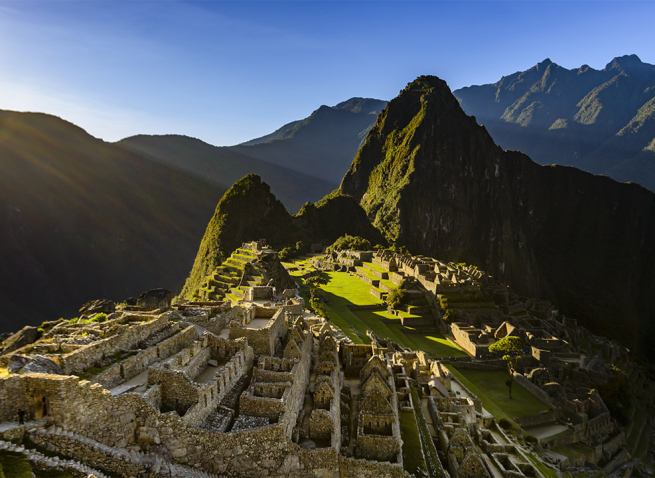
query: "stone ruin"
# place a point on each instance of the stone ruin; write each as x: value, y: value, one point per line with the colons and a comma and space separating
x: 258, y: 388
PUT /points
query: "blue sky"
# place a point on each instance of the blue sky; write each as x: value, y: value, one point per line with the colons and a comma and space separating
x: 226, y: 72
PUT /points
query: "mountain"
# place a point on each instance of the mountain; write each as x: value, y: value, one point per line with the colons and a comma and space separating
x: 83, y: 219
x: 303, y: 160
x: 322, y: 145
x: 602, y: 121
x: 432, y: 179
x: 222, y: 166
x: 77, y: 213
x: 250, y: 211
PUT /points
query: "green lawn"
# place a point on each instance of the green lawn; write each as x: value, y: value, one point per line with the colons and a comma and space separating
x: 545, y: 470
x: 489, y: 386
x: 375, y: 267
x: 16, y: 465
x: 413, y: 460
x: 343, y: 290
x: 573, y: 451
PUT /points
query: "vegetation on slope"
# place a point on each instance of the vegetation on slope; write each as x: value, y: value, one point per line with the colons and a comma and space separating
x: 83, y: 219
x: 432, y: 179
x: 247, y: 211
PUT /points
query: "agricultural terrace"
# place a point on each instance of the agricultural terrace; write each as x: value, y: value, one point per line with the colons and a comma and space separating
x: 344, y: 290
x: 489, y: 386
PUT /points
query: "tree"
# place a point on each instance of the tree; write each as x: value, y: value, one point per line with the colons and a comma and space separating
x: 317, y: 306
x: 509, y: 347
x: 315, y: 281
x: 350, y: 243
x: 397, y: 297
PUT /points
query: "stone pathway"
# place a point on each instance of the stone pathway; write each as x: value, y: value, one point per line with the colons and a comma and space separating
x: 428, y: 417
x: 138, y: 383
x: 546, y: 431
x: 9, y: 426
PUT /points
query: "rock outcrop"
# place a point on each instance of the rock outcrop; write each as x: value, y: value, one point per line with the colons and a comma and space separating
x: 431, y: 178
x: 23, y: 337
x: 98, y: 306
x: 155, y: 298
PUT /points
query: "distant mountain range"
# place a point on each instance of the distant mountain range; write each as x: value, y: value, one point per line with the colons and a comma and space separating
x: 303, y: 160
x: 601, y: 121
x: 84, y: 219
x: 322, y: 145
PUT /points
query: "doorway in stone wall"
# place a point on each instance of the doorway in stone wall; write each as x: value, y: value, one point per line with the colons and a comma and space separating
x: 41, y: 407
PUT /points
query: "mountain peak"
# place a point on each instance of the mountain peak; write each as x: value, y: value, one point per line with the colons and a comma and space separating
x: 362, y: 105
x: 623, y: 62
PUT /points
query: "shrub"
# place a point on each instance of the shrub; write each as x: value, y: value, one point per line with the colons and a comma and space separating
x: 505, y: 424
x: 400, y: 249
x: 74, y: 320
x: 508, y: 345
x: 397, y: 297
x: 448, y: 316
x: 531, y: 439
x: 349, y: 243
x: 101, y: 317
x: 317, y: 306
x: 286, y: 253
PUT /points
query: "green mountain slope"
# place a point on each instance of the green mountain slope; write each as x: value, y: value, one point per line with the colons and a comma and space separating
x: 249, y: 211
x: 82, y: 219
x: 596, y: 120
x: 431, y: 178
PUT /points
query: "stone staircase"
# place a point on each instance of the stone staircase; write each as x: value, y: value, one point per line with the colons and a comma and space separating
x: 51, y: 462
x: 233, y: 272
x: 113, y: 459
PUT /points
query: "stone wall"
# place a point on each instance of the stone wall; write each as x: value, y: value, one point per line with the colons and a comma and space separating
x: 216, y: 318
x: 12, y: 397
x: 133, y: 366
x: 534, y: 390
x: 86, y: 450
x: 193, y: 400
x: 536, y: 420
x: 125, y: 339
x: 461, y: 333
x: 264, y: 341
x: 383, y: 448
x: 280, y: 393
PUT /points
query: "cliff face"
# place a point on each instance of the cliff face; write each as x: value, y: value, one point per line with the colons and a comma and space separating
x: 333, y: 217
x: 430, y: 178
